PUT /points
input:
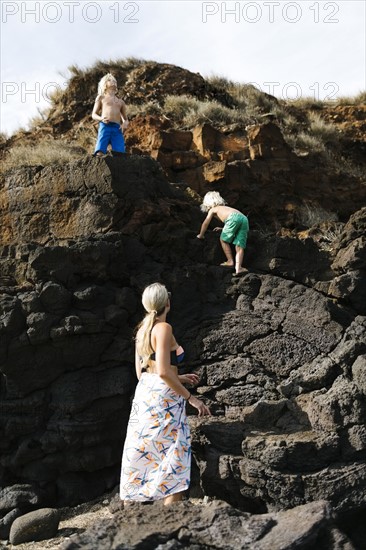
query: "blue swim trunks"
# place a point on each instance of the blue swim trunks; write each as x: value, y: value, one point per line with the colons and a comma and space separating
x: 236, y: 229
x: 110, y: 134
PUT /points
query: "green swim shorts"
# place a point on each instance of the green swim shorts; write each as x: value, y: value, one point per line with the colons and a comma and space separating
x: 236, y: 230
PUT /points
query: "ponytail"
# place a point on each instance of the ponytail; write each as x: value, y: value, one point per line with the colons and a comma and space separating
x: 143, y: 339
x: 154, y: 299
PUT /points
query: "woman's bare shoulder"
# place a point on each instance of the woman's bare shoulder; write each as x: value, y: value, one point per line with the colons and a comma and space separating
x: 161, y: 332
x: 162, y: 327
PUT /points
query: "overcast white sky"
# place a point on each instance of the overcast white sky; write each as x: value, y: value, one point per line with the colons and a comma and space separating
x: 304, y: 48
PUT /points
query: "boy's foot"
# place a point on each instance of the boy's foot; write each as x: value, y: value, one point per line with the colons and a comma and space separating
x: 227, y: 264
x: 243, y: 271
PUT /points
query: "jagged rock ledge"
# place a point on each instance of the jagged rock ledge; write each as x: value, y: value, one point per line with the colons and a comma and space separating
x: 214, y: 524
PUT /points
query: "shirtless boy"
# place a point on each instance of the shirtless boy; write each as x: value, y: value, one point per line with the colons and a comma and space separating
x: 110, y: 111
x: 235, y: 231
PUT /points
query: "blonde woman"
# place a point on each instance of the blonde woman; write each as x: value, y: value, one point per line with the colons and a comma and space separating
x: 235, y: 230
x: 111, y: 113
x: 156, y: 459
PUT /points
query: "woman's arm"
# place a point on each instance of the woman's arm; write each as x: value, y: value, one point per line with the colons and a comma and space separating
x: 190, y: 378
x: 163, y: 339
x: 137, y: 364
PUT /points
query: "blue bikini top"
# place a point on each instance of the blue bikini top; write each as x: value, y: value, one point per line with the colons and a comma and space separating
x: 176, y: 356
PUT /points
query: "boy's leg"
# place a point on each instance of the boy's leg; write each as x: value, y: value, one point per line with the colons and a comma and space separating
x: 102, y: 139
x: 226, y: 237
x: 117, y: 140
x: 239, y: 257
x: 240, y: 242
x: 228, y: 253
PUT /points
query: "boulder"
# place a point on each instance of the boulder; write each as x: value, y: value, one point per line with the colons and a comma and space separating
x: 35, y: 526
x: 6, y: 522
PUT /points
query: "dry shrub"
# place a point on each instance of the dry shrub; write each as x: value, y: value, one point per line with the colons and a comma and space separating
x: 128, y: 63
x: 43, y: 153
x: 308, y: 103
x: 359, y: 99
x: 245, y: 95
x: 312, y: 214
x: 325, y: 131
x: 191, y: 111
x: 326, y: 234
x: 148, y: 108
x: 85, y: 136
x: 317, y: 136
x: 304, y: 143
x: 178, y: 107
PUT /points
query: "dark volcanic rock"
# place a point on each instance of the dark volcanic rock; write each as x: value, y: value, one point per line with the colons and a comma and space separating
x: 350, y: 263
x: 18, y: 496
x: 214, y: 525
x: 280, y: 350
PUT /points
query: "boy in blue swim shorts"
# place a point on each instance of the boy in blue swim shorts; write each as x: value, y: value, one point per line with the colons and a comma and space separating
x: 235, y: 231
x: 111, y: 113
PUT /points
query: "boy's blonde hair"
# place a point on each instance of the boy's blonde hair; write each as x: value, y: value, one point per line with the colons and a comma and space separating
x: 103, y: 83
x: 154, y: 299
x: 211, y: 199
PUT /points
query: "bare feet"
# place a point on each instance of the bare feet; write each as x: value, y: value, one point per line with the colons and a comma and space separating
x: 241, y: 271
x: 128, y: 503
x: 176, y: 497
x: 227, y: 264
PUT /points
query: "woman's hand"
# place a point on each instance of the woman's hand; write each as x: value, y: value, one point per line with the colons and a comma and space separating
x: 191, y: 379
x: 217, y: 229
x: 199, y: 405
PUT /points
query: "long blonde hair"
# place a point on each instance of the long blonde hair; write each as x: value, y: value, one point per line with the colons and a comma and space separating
x: 154, y: 299
x: 103, y: 83
x: 211, y: 199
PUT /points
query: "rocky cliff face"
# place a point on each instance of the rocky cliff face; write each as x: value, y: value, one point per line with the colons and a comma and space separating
x: 254, y: 168
x: 251, y: 159
x: 281, y: 351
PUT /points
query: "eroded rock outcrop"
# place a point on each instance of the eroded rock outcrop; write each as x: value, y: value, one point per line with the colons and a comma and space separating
x: 253, y: 167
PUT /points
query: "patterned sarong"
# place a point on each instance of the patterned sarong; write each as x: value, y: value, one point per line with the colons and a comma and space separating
x: 156, y: 459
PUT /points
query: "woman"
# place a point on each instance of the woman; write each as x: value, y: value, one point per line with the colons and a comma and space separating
x: 157, y: 451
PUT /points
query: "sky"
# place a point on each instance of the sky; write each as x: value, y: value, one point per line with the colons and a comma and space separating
x: 290, y: 49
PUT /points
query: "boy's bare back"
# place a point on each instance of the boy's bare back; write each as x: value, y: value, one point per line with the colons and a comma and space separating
x: 223, y: 212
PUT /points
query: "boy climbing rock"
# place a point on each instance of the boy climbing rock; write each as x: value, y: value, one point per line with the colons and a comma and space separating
x: 235, y: 231
x: 110, y: 111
